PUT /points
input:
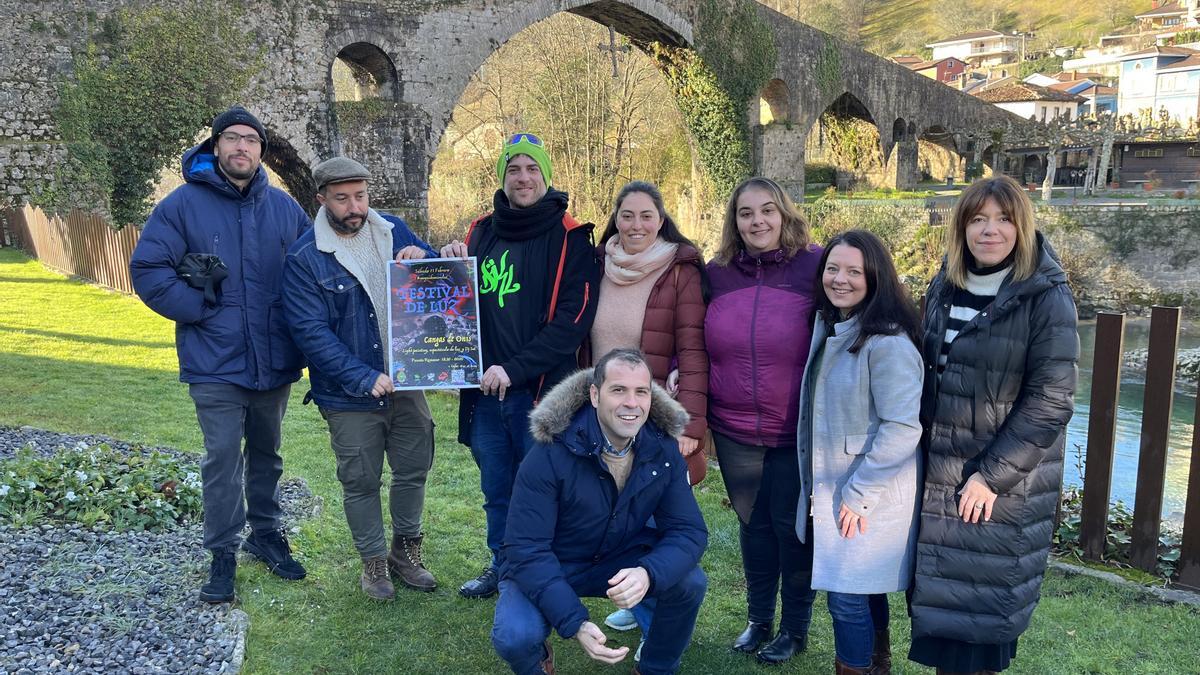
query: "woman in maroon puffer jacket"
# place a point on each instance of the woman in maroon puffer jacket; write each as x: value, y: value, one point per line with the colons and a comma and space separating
x: 652, y: 297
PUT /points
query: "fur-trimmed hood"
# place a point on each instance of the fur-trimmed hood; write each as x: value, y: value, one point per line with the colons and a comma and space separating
x: 553, y: 415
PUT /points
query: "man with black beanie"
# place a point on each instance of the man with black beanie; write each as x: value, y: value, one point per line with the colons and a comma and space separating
x: 235, y: 352
x: 538, y: 277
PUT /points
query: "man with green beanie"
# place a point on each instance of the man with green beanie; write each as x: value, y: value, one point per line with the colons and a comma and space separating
x: 538, y: 276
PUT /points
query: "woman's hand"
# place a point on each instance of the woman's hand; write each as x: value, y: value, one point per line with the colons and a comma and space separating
x: 976, y: 499
x: 848, y: 521
x: 688, y: 445
x: 673, y: 384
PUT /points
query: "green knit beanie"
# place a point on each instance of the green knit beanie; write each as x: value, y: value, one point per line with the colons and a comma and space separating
x: 524, y: 144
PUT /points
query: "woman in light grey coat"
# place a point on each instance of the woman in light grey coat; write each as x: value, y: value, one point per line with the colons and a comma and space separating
x: 858, y: 445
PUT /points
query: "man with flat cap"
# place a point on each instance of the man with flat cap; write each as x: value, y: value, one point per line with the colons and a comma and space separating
x: 210, y: 258
x: 335, y: 292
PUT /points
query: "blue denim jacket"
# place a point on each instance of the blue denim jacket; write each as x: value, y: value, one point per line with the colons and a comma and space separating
x: 331, y: 316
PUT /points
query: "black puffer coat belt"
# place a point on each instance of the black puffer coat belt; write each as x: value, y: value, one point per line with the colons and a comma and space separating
x: 1001, y: 408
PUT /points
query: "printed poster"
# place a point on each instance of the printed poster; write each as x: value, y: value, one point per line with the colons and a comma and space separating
x: 433, y: 324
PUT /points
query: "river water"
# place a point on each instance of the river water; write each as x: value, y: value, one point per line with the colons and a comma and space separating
x: 1129, y: 421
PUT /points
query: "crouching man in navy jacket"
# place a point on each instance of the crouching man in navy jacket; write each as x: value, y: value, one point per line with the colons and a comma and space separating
x: 577, y: 523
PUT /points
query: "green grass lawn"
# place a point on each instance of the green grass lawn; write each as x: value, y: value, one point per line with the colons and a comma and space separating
x: 75, y: 358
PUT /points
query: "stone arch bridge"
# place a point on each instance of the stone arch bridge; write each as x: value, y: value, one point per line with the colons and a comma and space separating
x: 419, y: 55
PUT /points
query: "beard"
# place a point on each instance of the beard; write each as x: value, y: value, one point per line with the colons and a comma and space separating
x: 233, y: 172
x: 340, y: 225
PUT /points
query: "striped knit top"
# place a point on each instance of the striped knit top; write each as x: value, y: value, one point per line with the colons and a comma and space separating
x: 981, y: 290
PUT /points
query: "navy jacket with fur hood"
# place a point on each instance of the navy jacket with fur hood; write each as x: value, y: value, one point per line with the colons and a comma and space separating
x: 566, y: 515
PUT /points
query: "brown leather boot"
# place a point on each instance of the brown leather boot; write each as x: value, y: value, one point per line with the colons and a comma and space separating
x: 842, y: 669
x: 881, y: 659
x: 375, y: 582
x: 405, y: 562
x: 548, y: 662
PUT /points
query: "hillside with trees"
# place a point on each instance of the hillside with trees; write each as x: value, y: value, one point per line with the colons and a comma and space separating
x: 906, y: 26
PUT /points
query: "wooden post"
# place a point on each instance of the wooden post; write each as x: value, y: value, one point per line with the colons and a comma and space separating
x: 1189, y: 553
x: 1156, y: 424
x: 1102, y: 418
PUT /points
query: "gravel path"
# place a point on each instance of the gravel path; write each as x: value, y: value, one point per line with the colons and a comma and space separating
x: 46, y: 443
x: 88, y: 601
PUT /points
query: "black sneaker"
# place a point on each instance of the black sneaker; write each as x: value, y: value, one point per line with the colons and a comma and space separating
x: 272, y: 548
x: 482, y: 586
x: 219, y: 587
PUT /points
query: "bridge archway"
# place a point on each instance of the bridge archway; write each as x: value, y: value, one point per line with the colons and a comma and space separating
x: 639, y: 26
x: 778, y: 141
x: 775, y: 103
x: 286, y: 162
x: 361, y: 71
x: 366, y: 118
x: 939, y: 154
x: 846, y: 137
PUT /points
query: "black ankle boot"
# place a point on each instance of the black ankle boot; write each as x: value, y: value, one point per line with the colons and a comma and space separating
x: 752, y: 638
x: 219, y: 587
x: 272, y: 548
x: 482, y: 586
x: 783, y: 647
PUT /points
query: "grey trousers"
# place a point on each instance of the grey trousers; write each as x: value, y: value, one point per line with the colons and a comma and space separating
x: 360, y: 439
x: 240, y: 485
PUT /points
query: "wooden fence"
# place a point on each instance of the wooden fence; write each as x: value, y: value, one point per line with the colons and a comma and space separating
x: 81, y: 244
x: 1152, y: 456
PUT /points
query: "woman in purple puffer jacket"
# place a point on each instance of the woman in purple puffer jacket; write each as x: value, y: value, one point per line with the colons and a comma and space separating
x: 757, y: 332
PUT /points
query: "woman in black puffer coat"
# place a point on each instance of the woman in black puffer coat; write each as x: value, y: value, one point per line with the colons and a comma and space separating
x: 1000, y: 348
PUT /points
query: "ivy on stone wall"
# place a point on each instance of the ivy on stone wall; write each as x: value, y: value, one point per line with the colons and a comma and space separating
x: 737, y: 45
x: 852, y: 143
x: 141, y: 90
x: 714, y: 119
x: 734, y: 58
x: 828, y: 70
x: 364, y: 113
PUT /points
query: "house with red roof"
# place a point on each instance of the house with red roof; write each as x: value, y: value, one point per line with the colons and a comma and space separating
x: 943, y: 70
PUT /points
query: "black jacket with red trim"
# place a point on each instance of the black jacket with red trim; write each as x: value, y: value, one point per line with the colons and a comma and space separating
x: 537, y: 298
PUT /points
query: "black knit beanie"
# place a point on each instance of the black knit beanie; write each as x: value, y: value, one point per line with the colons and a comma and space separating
x: 238, y: 115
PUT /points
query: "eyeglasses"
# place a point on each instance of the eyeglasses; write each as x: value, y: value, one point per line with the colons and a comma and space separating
x: 533, y: 140
x: 252, y: 140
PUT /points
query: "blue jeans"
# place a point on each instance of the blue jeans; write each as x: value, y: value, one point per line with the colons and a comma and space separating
x: 856, y: 618
x: 499, y: 440
x: 520, y: 629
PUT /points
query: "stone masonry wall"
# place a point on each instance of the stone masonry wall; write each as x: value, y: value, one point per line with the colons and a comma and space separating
x: 434, y: 47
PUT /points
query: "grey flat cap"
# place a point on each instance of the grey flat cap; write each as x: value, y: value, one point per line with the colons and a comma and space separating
x: 339, y: 170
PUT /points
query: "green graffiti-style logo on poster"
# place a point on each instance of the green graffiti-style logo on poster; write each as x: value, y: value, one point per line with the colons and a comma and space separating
x: 498, y: 279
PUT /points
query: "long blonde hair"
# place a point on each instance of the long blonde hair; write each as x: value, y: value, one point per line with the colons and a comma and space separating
x: 1013, y: 201
x: 794, y: 234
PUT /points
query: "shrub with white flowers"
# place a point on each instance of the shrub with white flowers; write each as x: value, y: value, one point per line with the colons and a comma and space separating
x: 100, y: 486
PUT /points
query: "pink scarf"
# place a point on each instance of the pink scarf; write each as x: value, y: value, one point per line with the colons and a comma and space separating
x: 624, y: 269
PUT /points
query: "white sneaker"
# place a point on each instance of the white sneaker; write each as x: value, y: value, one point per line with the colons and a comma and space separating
x: 621, y: 620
